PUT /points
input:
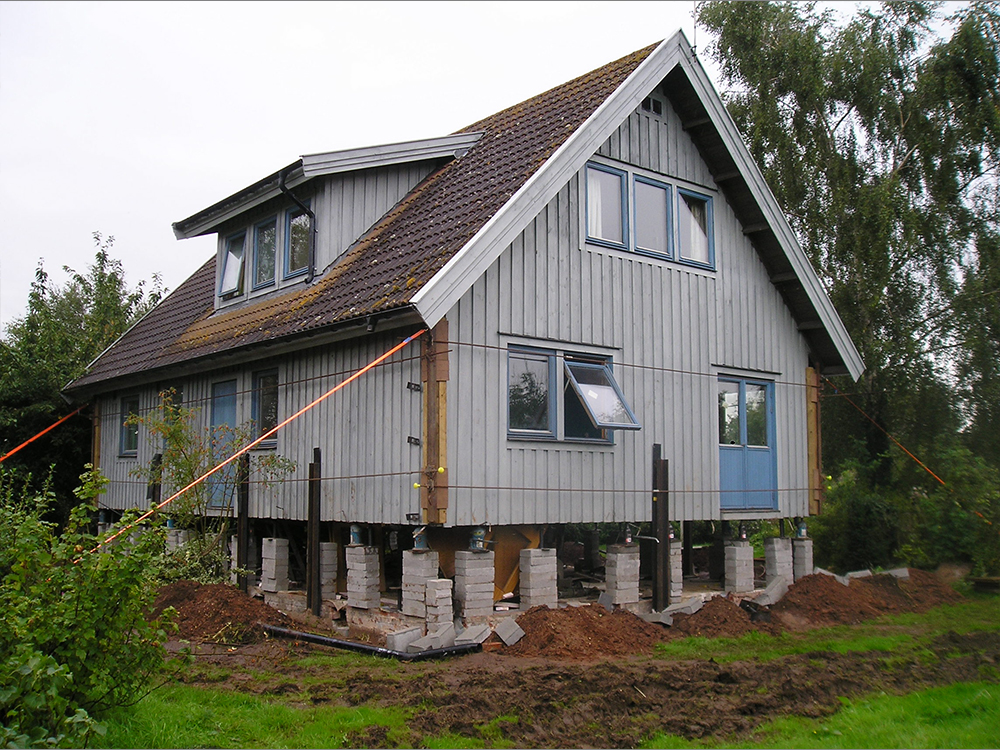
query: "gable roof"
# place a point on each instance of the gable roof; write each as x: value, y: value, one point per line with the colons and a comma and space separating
x: 429, y: 249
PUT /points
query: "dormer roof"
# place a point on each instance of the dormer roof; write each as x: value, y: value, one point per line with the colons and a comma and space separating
x: 432, y: 246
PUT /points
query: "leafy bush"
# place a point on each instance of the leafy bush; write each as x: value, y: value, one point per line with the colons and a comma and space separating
x: 75, y: 641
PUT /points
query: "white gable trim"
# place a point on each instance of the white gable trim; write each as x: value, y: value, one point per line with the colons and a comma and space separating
x: 333, y: 162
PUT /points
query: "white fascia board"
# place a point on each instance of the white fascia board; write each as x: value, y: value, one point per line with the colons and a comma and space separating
x: 447, y: 286
x: 774, y: 216
x: 332, y: 162
x: 213, y: 220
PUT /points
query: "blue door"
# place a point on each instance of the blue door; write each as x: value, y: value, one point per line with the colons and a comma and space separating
x: 222, y: 483
x: 748, y: 470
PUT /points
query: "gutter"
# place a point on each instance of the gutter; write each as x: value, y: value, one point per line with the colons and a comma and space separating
x: 364, y: 648
x: 311, y: 271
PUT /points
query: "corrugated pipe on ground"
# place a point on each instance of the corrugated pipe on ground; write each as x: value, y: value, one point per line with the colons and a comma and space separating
x: 364, y: 648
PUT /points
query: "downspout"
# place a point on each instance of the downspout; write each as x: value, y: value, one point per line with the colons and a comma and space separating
x: 310, y: 271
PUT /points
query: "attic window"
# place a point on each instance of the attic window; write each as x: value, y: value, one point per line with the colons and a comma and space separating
x: 296, y: 242
x: 649, y: 104
x: 232, y: 268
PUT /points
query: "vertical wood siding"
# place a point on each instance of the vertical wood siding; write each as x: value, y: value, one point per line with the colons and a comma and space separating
x: 670, y: 329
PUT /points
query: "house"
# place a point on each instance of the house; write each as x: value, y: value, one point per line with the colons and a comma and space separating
x: 601, y: 269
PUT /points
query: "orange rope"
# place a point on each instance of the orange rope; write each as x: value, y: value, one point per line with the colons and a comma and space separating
x: 374, y: 363
x: 7, y: 455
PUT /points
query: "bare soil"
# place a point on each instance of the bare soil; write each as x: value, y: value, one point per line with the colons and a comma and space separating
x: 586, y: 677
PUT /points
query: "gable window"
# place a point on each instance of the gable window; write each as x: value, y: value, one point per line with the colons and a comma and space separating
x: 650, y: 227
x: 606, y: 216
x: 563, y: 396
x: 694, y: 223
x: 232, y: 266
x: 296, y: 242
x: 128, y: 435
x: 265, y: 237
x: 265, y: 403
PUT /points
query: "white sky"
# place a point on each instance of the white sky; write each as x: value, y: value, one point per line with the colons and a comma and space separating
x: 123, y: 117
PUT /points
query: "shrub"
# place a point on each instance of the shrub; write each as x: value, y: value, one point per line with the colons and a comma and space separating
x: 75, y: 641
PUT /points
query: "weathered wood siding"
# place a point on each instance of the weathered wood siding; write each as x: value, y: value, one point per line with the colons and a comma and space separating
x: 368, y: 466
x: 670, y: 329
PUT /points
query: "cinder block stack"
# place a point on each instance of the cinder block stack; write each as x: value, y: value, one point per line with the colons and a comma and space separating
x: 622, y: 573
x: 537, y: 568
x: 676, y: 570
x: 440, y: 607
x: 739, y: 566
x: 177, y: 538
x: 802, y: 557
x: 363, y: 577
x: 474, y: 576
x: 328, y: 569
x: 777, y: 558
x: 418, y: 568
x: 274, y: 564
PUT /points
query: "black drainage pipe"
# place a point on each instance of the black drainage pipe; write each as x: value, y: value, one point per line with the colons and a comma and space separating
x: 364, y: 648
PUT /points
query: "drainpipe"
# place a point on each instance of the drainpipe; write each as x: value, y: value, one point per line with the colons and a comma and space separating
x: 310, y: 272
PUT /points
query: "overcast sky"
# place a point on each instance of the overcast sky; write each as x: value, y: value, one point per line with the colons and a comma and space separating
x: 122, y: 117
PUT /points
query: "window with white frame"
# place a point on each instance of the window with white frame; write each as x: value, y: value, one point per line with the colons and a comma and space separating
x: 128, y: 435
x: 554, y: 395
x: 636, y: 212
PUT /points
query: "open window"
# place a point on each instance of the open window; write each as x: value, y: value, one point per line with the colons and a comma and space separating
x: 231, y: 284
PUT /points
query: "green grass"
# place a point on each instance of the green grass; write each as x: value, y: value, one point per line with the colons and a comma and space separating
x: 181, y: 716
x: 961, y: 715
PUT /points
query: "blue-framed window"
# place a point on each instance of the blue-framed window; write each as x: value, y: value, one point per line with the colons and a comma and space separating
x: 231, y: 283
x: 563, y: 396
x: 265, y: 404
x: 128, y: 434
x: 607, y: 213
x: 221, y: 484
x: 297, y: 231
x: 665, y: 221
x: 265, y: 245
x: 695, y: 228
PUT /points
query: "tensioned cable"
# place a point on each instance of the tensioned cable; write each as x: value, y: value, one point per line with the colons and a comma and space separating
x: 10, y: 453
x: 374, y: 363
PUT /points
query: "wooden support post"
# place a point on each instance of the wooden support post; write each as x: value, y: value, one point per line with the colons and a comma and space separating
x: 434, y: 374
x: 314, y: 591
x: 243, y: 519
x: 688, y: 554
x: 155, y: 487
x: 661, y: 530
x: 814, y: 448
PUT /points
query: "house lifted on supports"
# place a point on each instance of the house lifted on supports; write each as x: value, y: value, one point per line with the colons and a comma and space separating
x: 602, y: 273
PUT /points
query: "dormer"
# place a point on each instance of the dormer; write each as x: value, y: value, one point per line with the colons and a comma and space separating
x: 290, y: 226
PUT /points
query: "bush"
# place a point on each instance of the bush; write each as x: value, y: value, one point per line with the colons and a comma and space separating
x: 75, y: 641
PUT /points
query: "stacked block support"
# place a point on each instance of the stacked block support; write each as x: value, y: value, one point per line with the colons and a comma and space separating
x: 778, y: 559
x: 274, y: 564
x: 474, y: 576
x: 539, y: 586
x: 622, y: 573
x: 739, y: 566
x: 252, y: 561
x: 802, y: 557
x: 418, y: 569
x: 363, y: 577
x: 328, y: 568
x: 676, y: 570
x: 439, y: 604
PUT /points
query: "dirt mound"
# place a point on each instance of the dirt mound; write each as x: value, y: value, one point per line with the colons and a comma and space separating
x: 718, y: 618
x: 820, y: 600
x: 216, y: 612
x: 589, y: 632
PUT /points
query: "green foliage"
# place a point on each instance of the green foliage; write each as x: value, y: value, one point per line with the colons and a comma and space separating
x: 205, y: 509
x: 63, y: 330
x: 75, y: 641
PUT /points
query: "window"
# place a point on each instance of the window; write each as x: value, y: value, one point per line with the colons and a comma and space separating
x: 694, y: 224
x: 297, y: 232
x: 591, y: 404
x: 223, y: 421
x: 747, y: 460
x: 651, y: 104
x: 128, y: 436
x: 606, y: 205
x: 653, y: 230
x: 265, y: 403
x: 265, y: 236
x: 232, y: 266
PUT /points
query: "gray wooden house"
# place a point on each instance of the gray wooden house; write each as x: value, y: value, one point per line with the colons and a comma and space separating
x: 601, y: 268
